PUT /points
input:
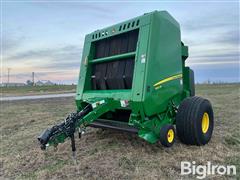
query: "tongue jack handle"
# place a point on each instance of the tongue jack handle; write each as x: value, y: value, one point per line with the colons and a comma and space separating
x: 73, y: 145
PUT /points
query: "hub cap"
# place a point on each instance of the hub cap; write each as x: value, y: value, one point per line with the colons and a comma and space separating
x: 170, y: 135
x: 205, y: 122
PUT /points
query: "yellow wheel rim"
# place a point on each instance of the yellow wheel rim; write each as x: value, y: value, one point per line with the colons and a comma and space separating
x: 205, y: 122
x: 170, y: 135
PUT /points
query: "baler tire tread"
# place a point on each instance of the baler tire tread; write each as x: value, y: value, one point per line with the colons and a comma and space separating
x: 189, y: 119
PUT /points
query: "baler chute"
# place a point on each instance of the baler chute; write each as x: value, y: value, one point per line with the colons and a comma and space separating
x: 133, y: 78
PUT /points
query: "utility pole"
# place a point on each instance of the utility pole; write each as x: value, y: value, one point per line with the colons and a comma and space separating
x: 33, y: 78
x: 8, y: 80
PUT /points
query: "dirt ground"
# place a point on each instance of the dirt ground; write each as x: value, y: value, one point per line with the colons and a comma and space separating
x: 108, y: 154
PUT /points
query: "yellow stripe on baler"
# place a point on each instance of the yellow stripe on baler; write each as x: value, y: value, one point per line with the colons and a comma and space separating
x: 168, y: 79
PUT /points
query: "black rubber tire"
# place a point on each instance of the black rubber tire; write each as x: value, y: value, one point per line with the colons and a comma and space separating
x: 164, y: 135
x: 189, y: 121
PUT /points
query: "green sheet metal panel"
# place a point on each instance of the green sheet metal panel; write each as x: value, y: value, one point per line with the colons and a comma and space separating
x: 164, y: 60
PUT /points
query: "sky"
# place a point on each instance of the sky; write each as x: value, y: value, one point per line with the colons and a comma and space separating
x: 47, y: 37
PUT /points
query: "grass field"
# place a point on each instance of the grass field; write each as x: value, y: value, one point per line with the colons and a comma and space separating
x: 108, y: 154
x: 36, y: 90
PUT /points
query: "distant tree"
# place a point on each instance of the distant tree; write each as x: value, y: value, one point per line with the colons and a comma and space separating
x: 208, y: 81
x: 29, y: 83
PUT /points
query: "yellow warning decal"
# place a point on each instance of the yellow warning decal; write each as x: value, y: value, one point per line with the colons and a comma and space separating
x: 178, y: 76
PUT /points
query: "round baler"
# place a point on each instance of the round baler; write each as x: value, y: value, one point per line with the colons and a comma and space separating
x: 133, y: 78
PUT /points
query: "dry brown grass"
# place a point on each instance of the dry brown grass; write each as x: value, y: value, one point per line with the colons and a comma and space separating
x: 109, y: 154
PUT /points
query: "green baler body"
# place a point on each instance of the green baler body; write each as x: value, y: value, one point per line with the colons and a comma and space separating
x: 160, y: 80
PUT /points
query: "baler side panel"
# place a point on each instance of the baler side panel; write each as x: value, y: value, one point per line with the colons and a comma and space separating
x: 164, y: 61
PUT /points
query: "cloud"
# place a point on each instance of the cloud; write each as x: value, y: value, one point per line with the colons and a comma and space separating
x: 213, y: 42
x: 11, y: 42
x: 66, y: 76
x: 46, y: 62
x: 97, y: 10
x: 231, y: 36
x: 214, y: 63
x: 219, y: 26
x: 212, y: 20
x: 233, y: 55
x: 60, y: 66
x: 69, y: 53
x: 222, y: 58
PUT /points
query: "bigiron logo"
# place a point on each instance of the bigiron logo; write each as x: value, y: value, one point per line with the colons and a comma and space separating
x: 201, y: 171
